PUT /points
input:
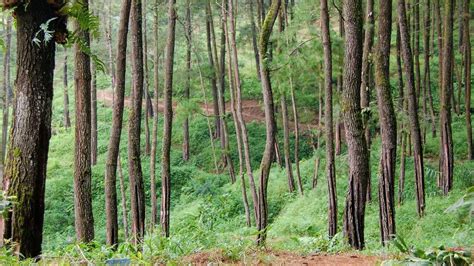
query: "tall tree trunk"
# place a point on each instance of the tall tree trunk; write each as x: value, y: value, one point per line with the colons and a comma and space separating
x: 269, y: 119
x: 67, y: 118
x: 93, y: 114
x: 137, y: 193
x: 25, y: 168
x: 365, y: 81
x: 168, y: 120
x: 358, y: 155
x: 388, y: 124
x: 116, y: 130
x: 401, y: 179
x: 412, y: 108
x: 428, y: 96
x: 154, y: 143
x: 238, y: 131
x: 467, y: 77
x: 148, y: 103
x: 339, y: 122
x: 437, y: 8
x: 446, y: 163
x: 188, y: 79
x: 213, y: 81
x: 123, y: 199
x: 84, y: 221
x: 328, y: 116
x: 232, y: 48
x: 6, y: 92
x: 401, y: 95
x: 286, y: 143
x: 297, y: 136
x: 108, y: 37
x: 254, y: 38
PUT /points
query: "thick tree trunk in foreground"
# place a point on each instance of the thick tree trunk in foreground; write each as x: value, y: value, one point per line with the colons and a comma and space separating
x: 116, y: 130
x: 467, y: 78
x: 446, y: 158
x: 412, y: 108
x: 84, y: 221
x: 330, y: 163
x: 388, y: 124
x: 168, y: 120
x: 354, y: 211
x: 137, y: 193
x: 269, y: 119
x: 25, y: 169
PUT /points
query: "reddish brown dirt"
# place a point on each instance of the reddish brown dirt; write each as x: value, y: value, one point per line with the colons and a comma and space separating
x: 252, y: 110
x: 283, y: 258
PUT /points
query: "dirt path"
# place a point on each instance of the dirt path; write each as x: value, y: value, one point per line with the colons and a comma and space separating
x: 252, y: 110
x: 285, y: 258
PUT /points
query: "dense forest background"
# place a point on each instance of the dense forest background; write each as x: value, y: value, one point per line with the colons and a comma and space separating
x: 369, y: 127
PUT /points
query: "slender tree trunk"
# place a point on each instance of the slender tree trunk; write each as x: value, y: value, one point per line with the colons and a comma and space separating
x: 467, y: 77
x: 358, y: 154
x: 328, y: 116
x: 146, y: 92
x: 427, y: 75
x: 154, y: 143
x: 437, y: 7
x: 401, y: 179
x: 93, y: 115
x: 213, y: 81
x: 123, y: 199
x: 168, y: 114
x: 188, y: 79
x: 446, y: 163
x: 412, y: 108
x: 339, y: 122
x: 137, y: 193
x: 116, y: 131
x: 297, y: 136
x: 25, y: 168
x: 388, y: 124
x: 232, y: 48
x: 269, y: 119
x: 401, y: 95
x: 286, y: 143
x: 108, y: 37
x: 365, y: 81
x: 84, y: 221
x: 6, y: 92
x: 254, y: 38
x: 67, y: 118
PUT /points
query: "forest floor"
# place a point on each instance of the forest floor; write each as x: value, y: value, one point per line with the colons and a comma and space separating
x: 284, y: 258
x: 252, y: 110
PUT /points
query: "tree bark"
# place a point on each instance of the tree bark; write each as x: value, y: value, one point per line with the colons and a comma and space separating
x: 268, y: 154
x: 93, y: 114
x: 67, y: 118
x: 446, y: 163
x: 137, y: 193
x: 154, y: 143
x: 148, y: 103
x: 365, y: 81
x: 467, y: 77
x: 286, y: 144
x: 116, y: 130
x: 412, y: 108
x: 188, y: 79
x: 25, y: 169
x: 213, y: 81
x: 427, y: 75
x: 84, y: 222
x: 232, y: 48
x: 328, y: 116
x: 388, y: 124
x: 168, y: 120
x: 358, y: 154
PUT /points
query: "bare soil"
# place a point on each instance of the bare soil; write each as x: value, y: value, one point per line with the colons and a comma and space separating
x: 283, y: 258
